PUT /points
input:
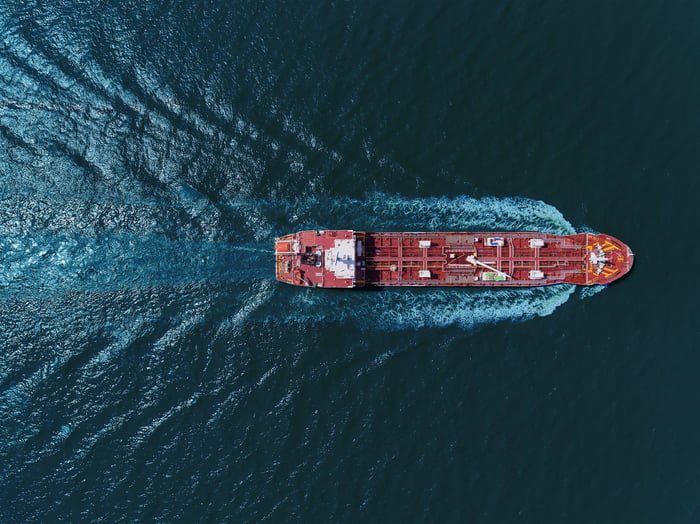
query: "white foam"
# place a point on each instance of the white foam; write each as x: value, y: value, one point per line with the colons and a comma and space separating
x: 414, y: 308
x: 386, y: 212
x: 589, y: 291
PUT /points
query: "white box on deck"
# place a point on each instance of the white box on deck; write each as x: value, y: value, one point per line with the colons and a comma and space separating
x: 340, y: 259
x: 424, y: 273
x: 424, y: 243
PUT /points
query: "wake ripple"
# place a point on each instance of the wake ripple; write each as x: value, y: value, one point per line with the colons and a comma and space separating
x: 44, y: 264
x: 415, y: 308
x: 108, y: 247
x: 390, y: 212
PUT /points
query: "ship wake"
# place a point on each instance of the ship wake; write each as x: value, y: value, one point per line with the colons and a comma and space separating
x: 108, y: 246
x: 412, y: 308
x: 54, y: 264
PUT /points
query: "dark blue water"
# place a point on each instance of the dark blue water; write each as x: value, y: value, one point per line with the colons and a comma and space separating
x: 151, y: 369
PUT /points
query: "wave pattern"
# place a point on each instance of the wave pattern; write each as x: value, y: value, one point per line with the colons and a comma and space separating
x: 117, y: 180
x: 150, y: 366
x: 105, y: 246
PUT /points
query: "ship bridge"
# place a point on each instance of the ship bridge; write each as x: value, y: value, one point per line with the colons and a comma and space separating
x: 322, y: 258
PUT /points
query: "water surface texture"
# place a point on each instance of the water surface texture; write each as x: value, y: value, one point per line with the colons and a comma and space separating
x: 151, y: 369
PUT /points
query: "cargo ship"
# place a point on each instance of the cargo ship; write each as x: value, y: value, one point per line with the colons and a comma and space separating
x: 349, y: 259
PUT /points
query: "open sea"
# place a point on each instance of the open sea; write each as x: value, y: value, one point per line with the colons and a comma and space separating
x: 153, y: 370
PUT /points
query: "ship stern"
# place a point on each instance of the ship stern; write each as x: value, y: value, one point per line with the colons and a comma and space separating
x: 286, y: 247
x: 322, y: 258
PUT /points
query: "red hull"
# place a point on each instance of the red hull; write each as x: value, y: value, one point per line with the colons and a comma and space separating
x: 344, y: 259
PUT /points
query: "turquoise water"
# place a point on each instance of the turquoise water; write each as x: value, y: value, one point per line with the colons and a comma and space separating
x: 151, y: 369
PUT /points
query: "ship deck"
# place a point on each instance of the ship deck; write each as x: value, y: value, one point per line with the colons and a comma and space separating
x: 396, y: 259
x: 344, y: 258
